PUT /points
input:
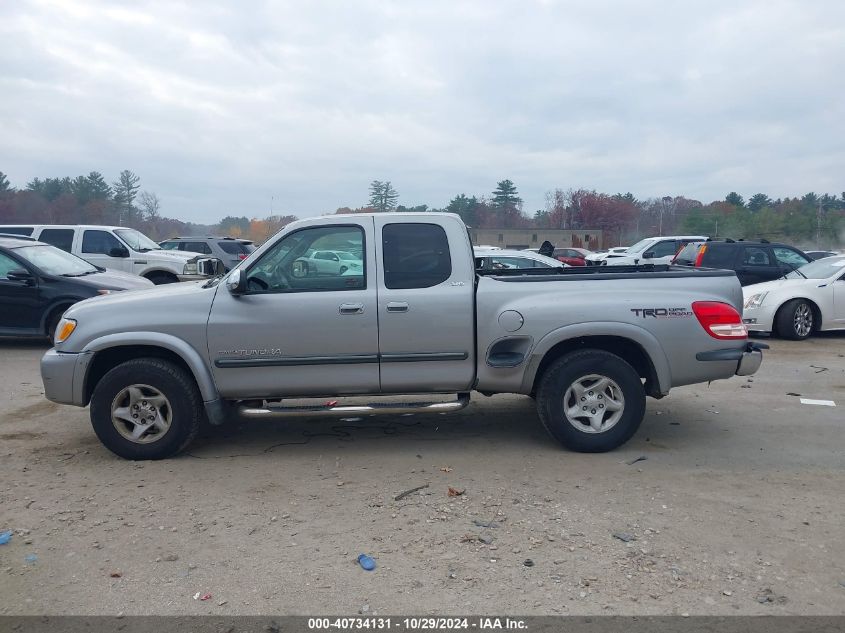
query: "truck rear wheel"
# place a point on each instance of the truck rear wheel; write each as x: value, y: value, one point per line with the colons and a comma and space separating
x: 591, y: 401
x: 146, y: 408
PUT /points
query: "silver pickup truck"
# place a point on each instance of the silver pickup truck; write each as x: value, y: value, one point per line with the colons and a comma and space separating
x: 402, y: 310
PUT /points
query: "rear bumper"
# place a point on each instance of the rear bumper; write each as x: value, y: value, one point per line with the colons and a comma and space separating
x: 748, y: 358
x: 63, y: 375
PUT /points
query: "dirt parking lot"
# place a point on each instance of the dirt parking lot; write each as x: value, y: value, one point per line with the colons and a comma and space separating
x: 737, y: 508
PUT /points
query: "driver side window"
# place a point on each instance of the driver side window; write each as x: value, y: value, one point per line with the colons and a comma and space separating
x: 326, y: 258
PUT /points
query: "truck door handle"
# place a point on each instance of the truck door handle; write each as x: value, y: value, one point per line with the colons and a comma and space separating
x: 397, y: 306
x: 351, y: 308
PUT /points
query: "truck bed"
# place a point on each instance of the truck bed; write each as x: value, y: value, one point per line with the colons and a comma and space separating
x: 640, y: 271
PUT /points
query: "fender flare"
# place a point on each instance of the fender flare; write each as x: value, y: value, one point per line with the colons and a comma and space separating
x: 192, y: 358
x: 643, y: 338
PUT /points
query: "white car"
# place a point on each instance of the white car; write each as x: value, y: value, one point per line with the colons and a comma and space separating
x: 615, y: 251
x: 335, y: 262
x: 653, y: 250
x: 504, y: 259
x: 809, y: 299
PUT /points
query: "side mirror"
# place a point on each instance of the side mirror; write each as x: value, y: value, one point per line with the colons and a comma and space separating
x: 119, y: 251
x: 21, y: 274
x: 236, y: 282
x: 648, y: 255
x: 300, y: 269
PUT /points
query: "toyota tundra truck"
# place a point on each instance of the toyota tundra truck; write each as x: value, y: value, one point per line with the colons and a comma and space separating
x: 413, y: 316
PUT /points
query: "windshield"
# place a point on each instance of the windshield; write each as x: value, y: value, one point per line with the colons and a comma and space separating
x: 641, y: 245
x: 137, y: 241
x: 819, y: 269
x: 53, y: 261
x: 347, y: 256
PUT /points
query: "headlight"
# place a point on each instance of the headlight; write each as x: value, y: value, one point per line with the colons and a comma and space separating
x: 190, y: 268
x: 63, y: 330
x: 754, y: 301
x: 104, y: 292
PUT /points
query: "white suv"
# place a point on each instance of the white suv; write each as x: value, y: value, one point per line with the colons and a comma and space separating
x: 653, y: 250
x: 119, y: 248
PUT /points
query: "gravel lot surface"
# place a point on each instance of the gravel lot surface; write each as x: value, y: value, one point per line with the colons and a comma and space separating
x: 737, y: 508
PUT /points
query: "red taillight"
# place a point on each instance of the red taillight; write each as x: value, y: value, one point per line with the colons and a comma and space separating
x: 241, y: 256
x: 719, y: 320
x: 701, y: 250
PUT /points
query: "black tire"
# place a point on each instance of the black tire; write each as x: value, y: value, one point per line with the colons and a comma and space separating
x: 183, y: 402
x: 791, y: 320
x: 161, y: 278
x: 570, y: 370
x: 343, y: 269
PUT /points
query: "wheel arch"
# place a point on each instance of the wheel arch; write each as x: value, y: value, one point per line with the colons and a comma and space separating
x: 60, y: 304
x: 110, y: 351
x: 636, y: 346
x: 152, y: 272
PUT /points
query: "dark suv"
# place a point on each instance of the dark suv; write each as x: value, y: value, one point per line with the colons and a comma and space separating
x: 752, y: 261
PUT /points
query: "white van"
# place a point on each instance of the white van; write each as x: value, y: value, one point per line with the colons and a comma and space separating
x: 118, y: 248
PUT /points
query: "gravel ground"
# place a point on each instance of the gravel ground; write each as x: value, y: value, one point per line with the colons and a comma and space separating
x: 737, y: 508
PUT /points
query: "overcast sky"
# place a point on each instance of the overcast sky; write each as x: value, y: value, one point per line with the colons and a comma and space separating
x: 219, y: 106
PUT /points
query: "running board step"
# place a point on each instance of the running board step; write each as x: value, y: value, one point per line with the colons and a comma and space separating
x: 374, y: 408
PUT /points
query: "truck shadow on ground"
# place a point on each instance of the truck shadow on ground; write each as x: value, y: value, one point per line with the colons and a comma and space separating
x: 515, y: 428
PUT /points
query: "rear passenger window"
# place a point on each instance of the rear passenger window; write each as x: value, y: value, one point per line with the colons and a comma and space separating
x: 170, y: 246
x: 195, y: 247
x: 719, y: 256
x: 236, y: 248
x: 756, y: 257
x: 415, y: 255
x: 60, y: 238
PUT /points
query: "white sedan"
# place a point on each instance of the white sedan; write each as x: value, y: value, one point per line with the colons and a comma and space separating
x: 809, y: 299
x: 504, y: 259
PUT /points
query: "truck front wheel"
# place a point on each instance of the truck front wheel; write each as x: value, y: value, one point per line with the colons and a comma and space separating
x: 146, y: 408
x: 591, y: 401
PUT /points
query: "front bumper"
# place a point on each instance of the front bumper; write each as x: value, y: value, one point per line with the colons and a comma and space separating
x: 748, y: 358
x: 760, y: 319
x: 63, y: 375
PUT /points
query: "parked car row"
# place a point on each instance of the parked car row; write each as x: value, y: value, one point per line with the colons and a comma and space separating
x: 787, y: 291
x: 117, y: 248
x: 38, y: 282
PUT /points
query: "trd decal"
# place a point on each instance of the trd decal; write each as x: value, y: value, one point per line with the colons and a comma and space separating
x: 662, y: 313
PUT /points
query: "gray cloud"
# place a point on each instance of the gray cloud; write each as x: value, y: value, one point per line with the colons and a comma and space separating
x: 219, y: 106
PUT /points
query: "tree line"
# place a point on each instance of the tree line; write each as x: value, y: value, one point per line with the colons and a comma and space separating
x: 810, y: 219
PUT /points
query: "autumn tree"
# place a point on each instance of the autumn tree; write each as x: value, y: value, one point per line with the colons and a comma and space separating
x: 383, y: 196
x: 234, y: 226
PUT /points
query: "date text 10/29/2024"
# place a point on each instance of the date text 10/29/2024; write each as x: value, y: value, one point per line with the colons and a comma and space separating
x: 415, y: 624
